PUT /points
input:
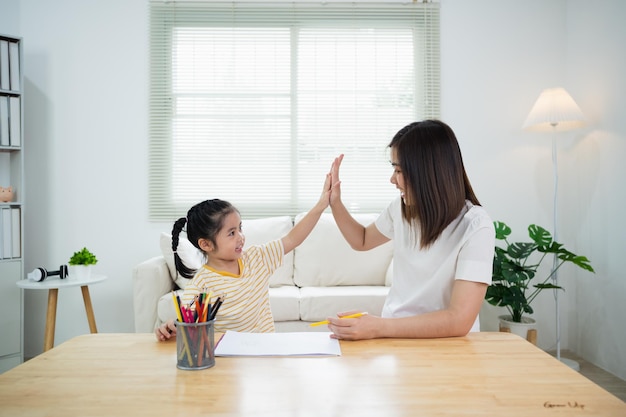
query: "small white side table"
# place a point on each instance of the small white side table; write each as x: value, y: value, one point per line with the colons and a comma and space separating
x: 53, y: 285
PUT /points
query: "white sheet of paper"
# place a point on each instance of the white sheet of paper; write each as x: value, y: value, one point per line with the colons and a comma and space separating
x: 277, y: 344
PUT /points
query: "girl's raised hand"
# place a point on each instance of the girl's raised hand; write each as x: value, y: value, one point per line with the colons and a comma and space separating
x: 325, y: 197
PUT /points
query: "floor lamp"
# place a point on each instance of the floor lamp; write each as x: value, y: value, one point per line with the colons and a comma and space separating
x: 555, y: 111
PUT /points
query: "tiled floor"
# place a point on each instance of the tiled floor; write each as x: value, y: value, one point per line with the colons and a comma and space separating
x: 606, y: 380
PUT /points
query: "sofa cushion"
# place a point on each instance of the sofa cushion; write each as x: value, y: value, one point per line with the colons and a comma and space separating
x: 285, y: 303
x: 325, y: 259
x: 190, y: 255
x: 258, y: 231
x: 165, y: 307
x: 151, y: 279
x: 319, y: 303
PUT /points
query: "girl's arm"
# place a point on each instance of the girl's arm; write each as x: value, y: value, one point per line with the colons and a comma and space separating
x: 302, y: 229
x: 165, y: 331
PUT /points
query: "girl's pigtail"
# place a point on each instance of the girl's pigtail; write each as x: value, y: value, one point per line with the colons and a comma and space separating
x: 181, y: 268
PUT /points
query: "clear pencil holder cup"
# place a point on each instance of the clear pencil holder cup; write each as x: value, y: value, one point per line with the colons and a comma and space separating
x: 195, y: 345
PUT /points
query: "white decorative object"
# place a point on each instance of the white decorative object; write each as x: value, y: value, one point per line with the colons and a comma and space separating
x: 80, y: 272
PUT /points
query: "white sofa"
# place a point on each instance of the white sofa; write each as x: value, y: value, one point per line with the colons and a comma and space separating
x: 319, y: 278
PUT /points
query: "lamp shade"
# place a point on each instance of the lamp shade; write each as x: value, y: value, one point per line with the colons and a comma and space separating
x: 555, y: 109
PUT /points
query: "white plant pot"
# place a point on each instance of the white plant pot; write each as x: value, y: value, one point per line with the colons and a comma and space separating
x: 526, y: 329
x: 80, y: 272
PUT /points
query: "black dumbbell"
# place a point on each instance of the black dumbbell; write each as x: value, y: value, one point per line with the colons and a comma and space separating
x: 39, y: 274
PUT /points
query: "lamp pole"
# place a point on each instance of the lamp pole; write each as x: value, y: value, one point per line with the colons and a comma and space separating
x: 555, y: 110
x: 555, y: 274
x: 555, y: 208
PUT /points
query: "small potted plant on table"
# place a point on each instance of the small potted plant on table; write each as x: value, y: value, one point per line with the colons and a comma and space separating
x: 81, y: 263
x: 514, y: 267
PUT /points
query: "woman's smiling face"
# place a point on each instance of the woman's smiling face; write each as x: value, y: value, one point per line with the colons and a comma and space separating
x: 397, y: 178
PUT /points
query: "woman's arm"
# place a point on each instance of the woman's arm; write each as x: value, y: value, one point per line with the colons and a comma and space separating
x: 456, y: 320
x: 359, y: 237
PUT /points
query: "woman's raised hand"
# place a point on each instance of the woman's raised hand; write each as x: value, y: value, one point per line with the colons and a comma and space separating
x: 335, y: 190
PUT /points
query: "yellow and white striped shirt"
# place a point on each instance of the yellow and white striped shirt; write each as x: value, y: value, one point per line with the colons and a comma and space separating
x: 246, y: 306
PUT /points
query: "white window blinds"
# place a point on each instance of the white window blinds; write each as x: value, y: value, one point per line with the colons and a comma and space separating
x: 250, y: 102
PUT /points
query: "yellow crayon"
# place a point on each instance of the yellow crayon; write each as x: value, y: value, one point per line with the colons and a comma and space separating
x: 351, y: 316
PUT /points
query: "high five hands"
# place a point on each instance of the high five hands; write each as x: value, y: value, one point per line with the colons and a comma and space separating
x: 335, y: 183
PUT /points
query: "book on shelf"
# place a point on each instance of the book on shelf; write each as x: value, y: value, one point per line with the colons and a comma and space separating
x: 16, y: 233
x: 4, y: 121
x: 5, y: 83
x: 10, y: 233
x: 1, y: 235
x: 14, y: 66
x: 7, y: 243
x: 15, y: 122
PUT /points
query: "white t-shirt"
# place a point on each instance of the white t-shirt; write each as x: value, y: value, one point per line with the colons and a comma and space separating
x: 423, y: 278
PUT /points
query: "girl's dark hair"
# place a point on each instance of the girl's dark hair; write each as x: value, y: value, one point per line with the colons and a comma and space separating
x: 436, y: 183
x: 204, y: 221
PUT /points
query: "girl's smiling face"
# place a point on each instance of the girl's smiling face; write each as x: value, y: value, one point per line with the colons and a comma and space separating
x: 229, y: 240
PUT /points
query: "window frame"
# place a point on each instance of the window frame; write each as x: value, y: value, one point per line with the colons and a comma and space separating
x: 166, y: 16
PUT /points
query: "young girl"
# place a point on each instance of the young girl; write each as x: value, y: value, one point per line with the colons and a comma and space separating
x: 242, y: 277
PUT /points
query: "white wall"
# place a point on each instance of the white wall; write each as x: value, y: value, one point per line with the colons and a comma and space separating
x: 496, y: 59
x: 86, y: 67
x: 9, y: 17
x: 86, y: 117
x: 497, y: 56
x: 596, y: 63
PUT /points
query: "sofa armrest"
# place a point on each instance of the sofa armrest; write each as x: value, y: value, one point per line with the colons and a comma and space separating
x: 151, y: 280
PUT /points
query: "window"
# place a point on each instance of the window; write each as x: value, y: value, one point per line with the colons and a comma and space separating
x: 250, y: 102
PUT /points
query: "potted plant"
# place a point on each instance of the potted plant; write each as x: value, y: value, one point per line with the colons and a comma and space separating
x: 81, y: 262
x: 517, y: 263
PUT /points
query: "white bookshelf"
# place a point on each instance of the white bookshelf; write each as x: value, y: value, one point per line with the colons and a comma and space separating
x: 11, y: 212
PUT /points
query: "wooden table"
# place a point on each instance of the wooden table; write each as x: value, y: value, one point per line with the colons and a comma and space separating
x: 53, y: 285
x: 134, y: 375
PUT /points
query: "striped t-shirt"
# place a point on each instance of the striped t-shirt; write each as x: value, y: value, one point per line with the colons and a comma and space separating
x: 246, y: 306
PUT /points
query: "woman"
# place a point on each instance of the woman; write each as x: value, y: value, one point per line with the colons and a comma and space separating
x: 443, y: 241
